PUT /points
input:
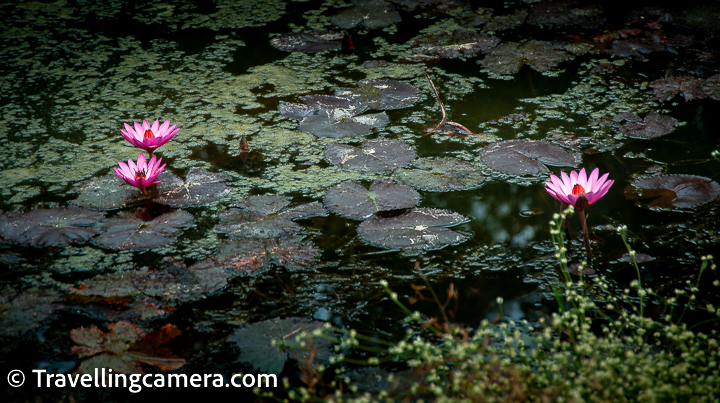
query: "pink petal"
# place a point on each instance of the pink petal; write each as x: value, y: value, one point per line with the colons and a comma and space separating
x: 155, y: 126
x: 601, y: 182
x: 141, y: 163
x: 567, y: 183
x: 164, y: 128
x: 145, y: 126
x: 582, y: 179
x: 592, y: 180
x: 138, y: 129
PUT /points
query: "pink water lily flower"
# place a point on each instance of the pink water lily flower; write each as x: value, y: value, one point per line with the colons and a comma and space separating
x: 142, y: 174
x: 149, y: 137
x: 569, y: 189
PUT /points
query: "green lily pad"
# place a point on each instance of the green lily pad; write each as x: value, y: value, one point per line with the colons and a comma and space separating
x: 674, y: 191
x: 381, y: 94
x: 441, y: 175
x: 199, y: 188
x: 459, y: 43
x: 253, y: 256
x: 526, y: 157
x: 267, y: 345
x: 128, y: 232
x: 350, y: 199
x: 368, y: 13
x: 308, y: 41
x: 417, y: 230
x: 51, y: 226
x: 107, y: 193
x: 510, y: 57
x: 375, y: 155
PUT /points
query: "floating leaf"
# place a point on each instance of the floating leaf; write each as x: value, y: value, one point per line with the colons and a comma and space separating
x: 556, y: 13
x: 296, y: 111
x: 526, y: 157
x: 170, y: 286
x: 107, y: 193
x: 639, y: 258
x: 432, y: 8
x: 51, y: 226
x: 674, y: 191
x: 510, y: 57
x: 417, y: 230
x: 381, y: 94
x: 308, y: 41
x: 441, y: 175
x: 668, y: 88
x: 200, y: 187
x: 370, y: 13
x: 262, y: 217
x: 711, y: 87
x: 329, y: 102
x: 20, y: 312
x: 267, y: 345
x: 123, y: 348
x: 375, y: 155
x: 703, y: 17
x: 254, y: 256
x: 635, y: 47
x: 350, y: 199
x: 339, y: 123
x: 459, y: 43
x: 654, y: 125
x: 128, y: 232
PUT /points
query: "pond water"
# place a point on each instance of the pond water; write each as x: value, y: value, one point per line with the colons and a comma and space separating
x: 224, y: 259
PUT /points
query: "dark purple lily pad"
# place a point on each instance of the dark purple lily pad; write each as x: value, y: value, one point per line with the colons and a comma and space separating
x: 268, y: 344
x: 339, y: 123
x: 253, y: 256
x: 381, y: 94
x: 504, y: 22
x: 674, y: 191
x: 417, y: 230
x: 20, y: 312
x: 654, y: 125
x: 263, y: 217
x: 200, y: 187
x: 170, y: 286
x: 703, y: 17
x: 369, y: 13
x: 441, y: 175
x: 375, y: 155
x: 329, y: 102
x: 460, y: 43
x: 526, y: 157
x: 510, y: 57
x: 296, y: 111
x: 107, y: 193
x: 308, y: 41
x: 711, y: 87
x: 668, y: 88
x: 51, y: 226
x: 128, y: 232
x: 432, y: 8
x: 556, y: 13
x: 350, y: 199
x: 635, y: 47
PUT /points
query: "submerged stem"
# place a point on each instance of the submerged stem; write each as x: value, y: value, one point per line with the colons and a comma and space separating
x: 586, y: 237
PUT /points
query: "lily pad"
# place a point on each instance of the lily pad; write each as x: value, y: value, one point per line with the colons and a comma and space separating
x: 200, y: 187
x: 339, y: 123
x: 674, y: 191
x: 375, y: 155
x: 417, y: 230
x: 124, y: 347
x: 562, y: 12
x: 169, y: 287
x: 711, y: 87
x: 51, y: 226
x: 432, y: 8
x: 308, y: 41
x: 635, y: 47
x: 350, y: 199
x: 296, y: 111
x: 263, y: 217
x: 253, y: 256
x: 369, y: 13
x: 441, y: 175
x: 268, y: 344
x: 20, y: 312
x: 107, y: 193
x: 668, y: 88
x: 381, y: 94
x: 703, y: 17
x: 654, y: 125
x: 128, y: 232
x: 526, y: 157
x: 459, y: 43
x: 329, y: 102
x: 510, y: 57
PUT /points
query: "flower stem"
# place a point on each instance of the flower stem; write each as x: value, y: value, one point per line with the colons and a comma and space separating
x: 586, y: 237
